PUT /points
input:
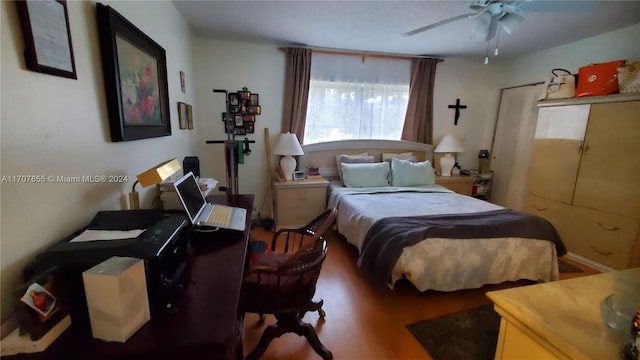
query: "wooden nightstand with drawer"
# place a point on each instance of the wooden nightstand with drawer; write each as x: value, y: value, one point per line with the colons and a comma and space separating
x: 298, y: 202
x: 458, y: 183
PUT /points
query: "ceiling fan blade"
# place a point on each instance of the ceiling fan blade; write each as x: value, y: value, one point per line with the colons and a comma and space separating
x: 439, y: 23
x: 493, y: 28
x: 510, y: 21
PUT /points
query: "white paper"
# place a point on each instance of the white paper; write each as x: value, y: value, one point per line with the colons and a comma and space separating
x: 92, y: 235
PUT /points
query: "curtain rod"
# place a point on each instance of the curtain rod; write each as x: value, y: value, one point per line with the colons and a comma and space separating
x: 364, y: 55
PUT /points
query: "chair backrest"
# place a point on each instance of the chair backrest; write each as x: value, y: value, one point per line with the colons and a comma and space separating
x: 292, y: 240
x: 293, y: 283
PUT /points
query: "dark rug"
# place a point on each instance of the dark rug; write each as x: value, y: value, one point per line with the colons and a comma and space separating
x: 467, y: 335
x: 567, y: 268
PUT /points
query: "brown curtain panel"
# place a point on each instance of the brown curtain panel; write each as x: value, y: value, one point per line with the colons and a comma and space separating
x: 418, y: 122
x: 296, y: 91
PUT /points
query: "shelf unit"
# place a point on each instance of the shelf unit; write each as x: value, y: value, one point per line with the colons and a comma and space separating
x: 482, y: 186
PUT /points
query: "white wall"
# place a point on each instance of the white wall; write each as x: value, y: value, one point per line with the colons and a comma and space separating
x: 57, y: 126
x: 232, y: 66
x: 473, y: 83
x: 614, y: 45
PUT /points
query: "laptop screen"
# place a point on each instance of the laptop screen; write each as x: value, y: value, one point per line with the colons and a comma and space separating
x: 189, y: 192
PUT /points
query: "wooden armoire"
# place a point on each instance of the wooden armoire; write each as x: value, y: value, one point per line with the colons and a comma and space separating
x: 584, y: 176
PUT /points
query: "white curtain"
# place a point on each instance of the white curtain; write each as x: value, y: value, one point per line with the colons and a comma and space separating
x: 352, y: 99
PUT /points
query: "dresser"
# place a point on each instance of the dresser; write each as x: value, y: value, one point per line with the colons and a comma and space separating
x: 584, y: 178
x: 561, y: 319
x: 298, y: 202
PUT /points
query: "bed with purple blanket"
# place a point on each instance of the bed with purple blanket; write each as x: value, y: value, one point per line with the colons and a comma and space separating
x: 406, y: 226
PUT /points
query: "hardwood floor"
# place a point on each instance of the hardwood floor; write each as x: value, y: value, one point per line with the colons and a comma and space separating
x: 365, y: 323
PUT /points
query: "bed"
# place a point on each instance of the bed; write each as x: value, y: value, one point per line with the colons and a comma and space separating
x: 433, y: 237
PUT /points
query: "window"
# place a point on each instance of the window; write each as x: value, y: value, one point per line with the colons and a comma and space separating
x: 349, y: 99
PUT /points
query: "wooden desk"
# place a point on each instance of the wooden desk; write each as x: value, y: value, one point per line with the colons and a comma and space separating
x: 207, y: 324
x: 560, y: 319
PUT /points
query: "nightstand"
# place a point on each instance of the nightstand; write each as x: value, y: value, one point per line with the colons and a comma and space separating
x: 296, y: 203
x: 462, y: 184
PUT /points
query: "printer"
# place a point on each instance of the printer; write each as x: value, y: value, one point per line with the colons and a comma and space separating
x: 163, y: 246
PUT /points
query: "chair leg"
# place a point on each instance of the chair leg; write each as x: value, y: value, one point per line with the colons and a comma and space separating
x: 314, y: 306
x: 290, y: 322
x: 309, y: 332
x: 270, y: 333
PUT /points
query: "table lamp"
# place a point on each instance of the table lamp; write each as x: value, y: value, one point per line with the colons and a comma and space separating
x: 288, y: 146
x: 448, y: 145
x: 155, y: 175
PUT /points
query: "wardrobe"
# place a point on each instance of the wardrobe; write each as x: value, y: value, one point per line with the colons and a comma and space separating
x: 584, y: 176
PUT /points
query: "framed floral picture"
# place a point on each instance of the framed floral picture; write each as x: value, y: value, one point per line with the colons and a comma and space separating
x: 135, y: 77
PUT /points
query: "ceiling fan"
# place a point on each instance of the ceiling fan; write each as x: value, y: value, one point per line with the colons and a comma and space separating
x: 488, y: 16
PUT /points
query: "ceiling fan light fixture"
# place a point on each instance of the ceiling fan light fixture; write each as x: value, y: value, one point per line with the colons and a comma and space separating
x: 510, y: 21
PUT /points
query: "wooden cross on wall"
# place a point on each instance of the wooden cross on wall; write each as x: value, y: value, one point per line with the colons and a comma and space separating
x: 457, y: 106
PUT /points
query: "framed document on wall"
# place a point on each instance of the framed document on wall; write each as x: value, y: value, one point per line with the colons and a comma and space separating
x: 47, y: 38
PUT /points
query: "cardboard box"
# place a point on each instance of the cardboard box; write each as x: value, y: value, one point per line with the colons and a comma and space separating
x: 116, y: 292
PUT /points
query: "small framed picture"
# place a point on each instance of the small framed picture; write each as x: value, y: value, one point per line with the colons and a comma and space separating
x: 182, y: 83
x: 39, y: 299
x: 249, y: 127
x: 189, y: 117
x: 254, y: 100
x: 298, y: 175
x: 244, y: 94
x: 182, y: 115
x: 233, y: 99
x: 239, y: 120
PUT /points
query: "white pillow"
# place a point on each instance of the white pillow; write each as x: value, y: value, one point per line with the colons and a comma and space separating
x: 407, y: 173
x: 403, y: 156
x: 353, y: 158
x: 365, y: 174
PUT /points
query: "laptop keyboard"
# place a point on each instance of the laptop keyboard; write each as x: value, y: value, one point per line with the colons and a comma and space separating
x: 220, y: 215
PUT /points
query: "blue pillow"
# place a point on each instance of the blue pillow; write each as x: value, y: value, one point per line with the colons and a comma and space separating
x: 366, y: 174
x: 407, y: 173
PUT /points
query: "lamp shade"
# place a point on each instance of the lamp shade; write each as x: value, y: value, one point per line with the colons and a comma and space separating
x: 159, y: 173
x: 449, y: 144
x: 287, y: 144
x: 155, y: 175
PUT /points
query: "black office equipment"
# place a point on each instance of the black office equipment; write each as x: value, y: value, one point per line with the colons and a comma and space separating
x: 191, y: 164
x: 162, y: 246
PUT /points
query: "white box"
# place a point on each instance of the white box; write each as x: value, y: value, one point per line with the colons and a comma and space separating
x: 116, y: 292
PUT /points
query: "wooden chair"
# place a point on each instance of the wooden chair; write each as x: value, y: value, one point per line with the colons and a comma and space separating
x: 283, y: 282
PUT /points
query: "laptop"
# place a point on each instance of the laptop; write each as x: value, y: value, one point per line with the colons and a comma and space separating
x: 202, y: 213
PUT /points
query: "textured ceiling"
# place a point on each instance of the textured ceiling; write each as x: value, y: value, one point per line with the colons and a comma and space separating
x: 376, y: 26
